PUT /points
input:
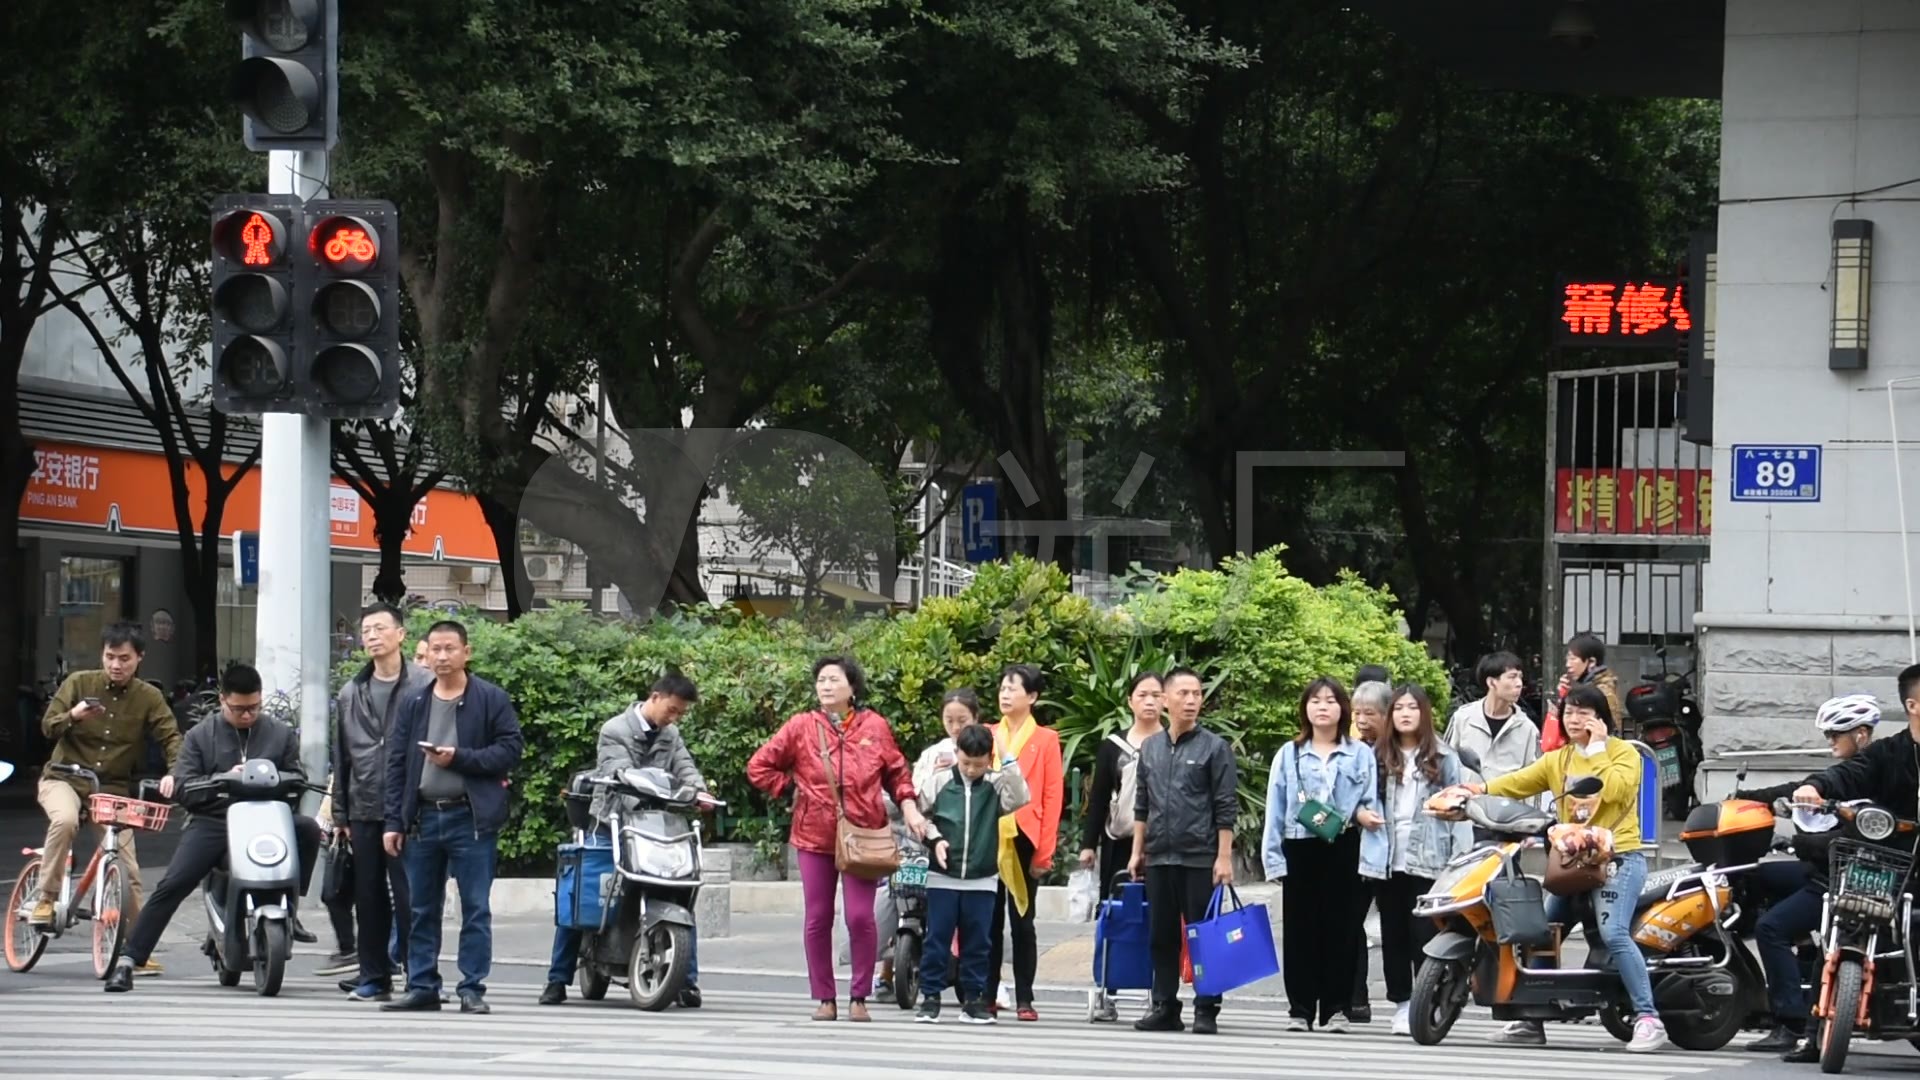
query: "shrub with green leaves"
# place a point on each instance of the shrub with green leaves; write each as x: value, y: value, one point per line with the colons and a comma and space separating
x: 1256, y: 634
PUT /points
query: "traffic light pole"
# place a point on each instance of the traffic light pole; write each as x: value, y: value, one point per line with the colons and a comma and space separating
x: 295, y: 599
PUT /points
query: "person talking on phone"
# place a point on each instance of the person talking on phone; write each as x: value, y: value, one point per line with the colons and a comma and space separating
x: 102, y: 720
x: 449, y: 751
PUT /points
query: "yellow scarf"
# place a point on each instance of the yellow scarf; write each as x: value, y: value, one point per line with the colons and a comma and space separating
x: 1010, y: 869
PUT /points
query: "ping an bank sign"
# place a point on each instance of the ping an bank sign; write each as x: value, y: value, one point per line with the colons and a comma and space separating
x: 1609, y: 313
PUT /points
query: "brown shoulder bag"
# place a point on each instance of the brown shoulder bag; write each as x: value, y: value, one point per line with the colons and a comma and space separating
x: 865, y: 853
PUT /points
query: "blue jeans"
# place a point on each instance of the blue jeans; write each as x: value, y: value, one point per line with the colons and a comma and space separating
x: 972, y: 913
x: 444, y: 844
x: 1613, y: 905
x: 1795, y: 914
x: 566, y: 957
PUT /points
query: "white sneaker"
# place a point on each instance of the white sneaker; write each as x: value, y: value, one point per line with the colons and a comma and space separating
x: 1337, y: 1025
x: 1294, y: 1023
x: 1649, y: 1034
x: 1403, y: 1019
x: 1521, y: 1033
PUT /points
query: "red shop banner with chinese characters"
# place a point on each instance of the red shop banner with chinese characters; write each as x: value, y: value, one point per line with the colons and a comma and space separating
x: 1642, y: 313
x: 1634, y: 502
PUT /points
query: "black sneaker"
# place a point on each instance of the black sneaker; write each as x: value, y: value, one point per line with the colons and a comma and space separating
x: 1361, y: 1013
x: 929, y: 1011
x: 340, y: 963
x: 1163, y: 1017
x: 689, y: 998
x: 554, y: 994
x: 1806, y: 1053
x: 1205, y: 1023
x: 303, y: 935
x: 414, y: 1001
x: 977, y: 1012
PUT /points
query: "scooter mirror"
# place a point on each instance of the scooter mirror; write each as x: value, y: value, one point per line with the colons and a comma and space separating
x: 6, y: 770
x: 1585, y: 787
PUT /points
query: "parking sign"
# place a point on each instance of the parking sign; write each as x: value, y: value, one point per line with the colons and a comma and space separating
x: 979, y: 506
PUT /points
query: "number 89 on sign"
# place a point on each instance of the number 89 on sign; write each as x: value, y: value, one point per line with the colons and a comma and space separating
x: 1776, y: 474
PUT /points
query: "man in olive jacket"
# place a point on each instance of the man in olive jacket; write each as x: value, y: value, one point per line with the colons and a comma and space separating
x: 644, y: 736
x: 101, y: 721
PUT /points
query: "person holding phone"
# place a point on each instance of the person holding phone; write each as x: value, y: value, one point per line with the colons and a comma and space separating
x: 449, y: 754
x: 102, y: 720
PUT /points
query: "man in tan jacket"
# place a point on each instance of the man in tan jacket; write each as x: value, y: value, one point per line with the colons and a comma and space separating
x: 102, y: 721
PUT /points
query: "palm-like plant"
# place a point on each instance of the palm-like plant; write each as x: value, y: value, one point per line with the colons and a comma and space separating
x: 1092, y: 704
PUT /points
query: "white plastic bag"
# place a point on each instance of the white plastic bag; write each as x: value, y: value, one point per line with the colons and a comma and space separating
x: 1083, y: 895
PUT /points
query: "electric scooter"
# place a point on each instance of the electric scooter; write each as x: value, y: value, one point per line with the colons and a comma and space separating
x: 250, y: 898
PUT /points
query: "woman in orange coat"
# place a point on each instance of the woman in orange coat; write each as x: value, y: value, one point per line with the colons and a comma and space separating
x: 1027, y: 838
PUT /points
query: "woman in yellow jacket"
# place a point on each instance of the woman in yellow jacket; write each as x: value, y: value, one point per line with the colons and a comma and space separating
x: 1589, y: 752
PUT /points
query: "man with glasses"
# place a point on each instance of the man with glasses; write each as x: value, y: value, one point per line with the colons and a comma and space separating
x: 214, y: 747
x: 364, y: 713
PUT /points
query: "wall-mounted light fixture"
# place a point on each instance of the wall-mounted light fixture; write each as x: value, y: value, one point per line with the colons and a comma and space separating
x: 1852, y: 288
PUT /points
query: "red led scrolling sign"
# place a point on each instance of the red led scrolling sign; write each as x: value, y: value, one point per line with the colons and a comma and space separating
x: 1639, y: 313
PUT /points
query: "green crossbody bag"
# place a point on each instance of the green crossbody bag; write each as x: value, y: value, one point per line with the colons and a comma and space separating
x: 1315, y: 815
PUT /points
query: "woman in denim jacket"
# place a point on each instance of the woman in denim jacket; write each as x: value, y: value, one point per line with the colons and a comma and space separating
x: 1414, y: 765
x: 1321, y: 908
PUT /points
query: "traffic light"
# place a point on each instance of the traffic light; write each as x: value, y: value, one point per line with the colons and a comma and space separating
x: 253, y: 324
x: 287, y: 81
x: 346, y: 306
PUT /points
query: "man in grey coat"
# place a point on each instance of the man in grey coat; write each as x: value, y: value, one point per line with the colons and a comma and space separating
x: 1495, y: 728
x: 644, y: 736
x: 364, y: 712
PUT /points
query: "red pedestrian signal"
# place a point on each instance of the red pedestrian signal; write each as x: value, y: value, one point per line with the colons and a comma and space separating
x: 253, y: 323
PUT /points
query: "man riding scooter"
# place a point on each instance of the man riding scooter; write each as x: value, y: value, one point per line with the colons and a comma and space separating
x: 643, y: 736
x: 241, y: 734
x: 1796, y: 887
x: 1886, y: 771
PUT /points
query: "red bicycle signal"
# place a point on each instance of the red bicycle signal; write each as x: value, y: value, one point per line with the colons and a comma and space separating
x: 345, y: 244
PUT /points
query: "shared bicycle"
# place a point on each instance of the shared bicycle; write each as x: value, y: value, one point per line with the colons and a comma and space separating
x: 99, y: 895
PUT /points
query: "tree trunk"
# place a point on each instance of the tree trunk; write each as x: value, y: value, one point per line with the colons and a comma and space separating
x: 504, y: 521
x: 16, y: 600
x: 392, y: 518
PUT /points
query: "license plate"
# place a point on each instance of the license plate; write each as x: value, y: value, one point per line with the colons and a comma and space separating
x: 1669, y: 759
x: 910, y: 877
x: 1870, y: 881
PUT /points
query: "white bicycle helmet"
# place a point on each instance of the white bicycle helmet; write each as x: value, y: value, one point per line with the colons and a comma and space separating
x: 1846, y: 713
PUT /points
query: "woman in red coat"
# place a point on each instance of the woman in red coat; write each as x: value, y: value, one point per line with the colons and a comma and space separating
x: 857, y: 745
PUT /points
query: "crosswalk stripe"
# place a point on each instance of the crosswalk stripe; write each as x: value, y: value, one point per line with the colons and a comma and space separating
x: 170, y: 1030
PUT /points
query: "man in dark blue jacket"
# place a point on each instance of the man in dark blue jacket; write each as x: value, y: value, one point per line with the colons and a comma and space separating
x: 448, y: 755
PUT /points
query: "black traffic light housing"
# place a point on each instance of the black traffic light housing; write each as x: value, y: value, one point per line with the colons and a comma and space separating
x: 306, y: 306
x: 287, y: 82
x: 253, y: 324
x: 346, y: 306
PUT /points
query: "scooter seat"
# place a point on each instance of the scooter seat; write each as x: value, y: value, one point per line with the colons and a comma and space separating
x: 1660, y: 882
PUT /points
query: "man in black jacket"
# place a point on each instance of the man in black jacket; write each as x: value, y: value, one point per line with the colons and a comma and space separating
x: 1185, y: 803
x: 365, y: 709
x: 211, y: 748
x: 448, y: 755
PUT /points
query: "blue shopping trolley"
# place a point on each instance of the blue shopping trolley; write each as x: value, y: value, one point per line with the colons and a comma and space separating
x: 1122, y: 947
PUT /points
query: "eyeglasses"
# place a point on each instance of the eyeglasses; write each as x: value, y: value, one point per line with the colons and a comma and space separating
x: 242, y: 710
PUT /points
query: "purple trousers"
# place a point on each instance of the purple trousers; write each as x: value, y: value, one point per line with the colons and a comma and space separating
x: 817, y: 880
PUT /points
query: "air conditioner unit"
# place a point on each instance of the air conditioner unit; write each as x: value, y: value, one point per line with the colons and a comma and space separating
x: 546, y: 568
x: 469, y: 575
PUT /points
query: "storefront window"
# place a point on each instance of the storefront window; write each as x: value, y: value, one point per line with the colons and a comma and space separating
x: 93, y: 596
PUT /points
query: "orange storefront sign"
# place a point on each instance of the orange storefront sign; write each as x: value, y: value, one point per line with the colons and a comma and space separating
x: 129, y: 491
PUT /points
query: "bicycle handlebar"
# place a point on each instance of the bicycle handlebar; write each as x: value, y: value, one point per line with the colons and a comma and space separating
x: 91, y: 777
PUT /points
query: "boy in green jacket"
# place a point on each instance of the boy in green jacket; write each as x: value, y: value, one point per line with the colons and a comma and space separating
x: 963, y: 806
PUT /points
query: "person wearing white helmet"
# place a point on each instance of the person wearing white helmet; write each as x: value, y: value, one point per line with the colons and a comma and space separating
x: 1795, y: 885
x: 1886, y: 770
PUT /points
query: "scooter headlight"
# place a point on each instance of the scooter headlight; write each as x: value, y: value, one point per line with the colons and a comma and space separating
x: 267, y: 850
x: 671, y: 861
x: 1873, y: 823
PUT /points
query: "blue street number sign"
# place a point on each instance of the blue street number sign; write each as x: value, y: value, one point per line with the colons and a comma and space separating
x: 1776, y: 474
x: 979, y: 507
x: 246, y: 558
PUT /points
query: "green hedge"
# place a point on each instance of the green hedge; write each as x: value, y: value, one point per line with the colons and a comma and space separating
x: 1257, y: 634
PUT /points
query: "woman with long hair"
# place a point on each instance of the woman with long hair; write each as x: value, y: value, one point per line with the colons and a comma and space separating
x: 840, y: 748
x: 1414, y: 765
x: 1323, y: 795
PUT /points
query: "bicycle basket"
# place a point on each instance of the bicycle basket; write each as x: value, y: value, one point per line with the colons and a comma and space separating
x: 1865, y: 879
x: 128, y: 813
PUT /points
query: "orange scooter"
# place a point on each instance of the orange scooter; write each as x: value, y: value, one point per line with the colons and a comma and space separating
x: 1705, y: 981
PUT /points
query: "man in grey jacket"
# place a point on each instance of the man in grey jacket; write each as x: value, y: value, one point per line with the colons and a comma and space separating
x: 363, y: 713
x: 644, y: 736
x: 1495, y: 728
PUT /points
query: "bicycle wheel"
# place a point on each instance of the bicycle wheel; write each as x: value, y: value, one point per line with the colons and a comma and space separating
x: 25, y: 942
x: 109, y: 929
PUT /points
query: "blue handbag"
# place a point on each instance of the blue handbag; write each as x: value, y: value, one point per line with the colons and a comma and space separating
x: 1231, y: 947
